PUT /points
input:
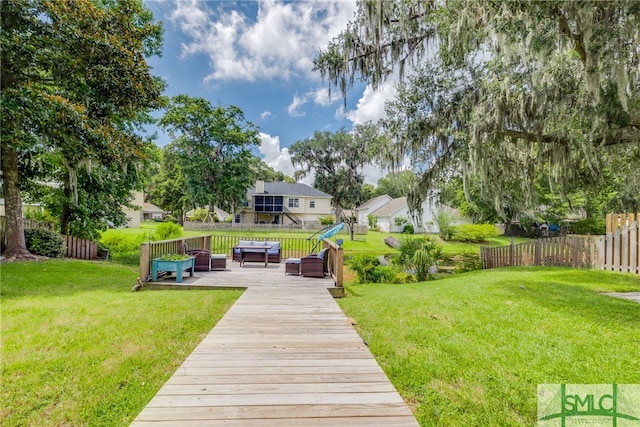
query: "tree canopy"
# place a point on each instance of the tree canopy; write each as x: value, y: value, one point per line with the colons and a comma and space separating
x: 503, y: 92
x: 75, y: 83
x: 336, y: 160
x: 213, y: 147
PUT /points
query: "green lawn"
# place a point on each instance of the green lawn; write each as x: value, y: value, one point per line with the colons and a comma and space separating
x: 471, y: 349
x: 79, y: 348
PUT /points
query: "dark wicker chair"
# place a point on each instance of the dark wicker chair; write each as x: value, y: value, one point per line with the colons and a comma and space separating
x: 203, y: 259
x: 314, y: 265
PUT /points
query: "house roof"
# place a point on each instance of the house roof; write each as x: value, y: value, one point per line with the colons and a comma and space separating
x: 150, y: 207
x: 391, y: 207
x: 372, y: 202
x: 289, y: 189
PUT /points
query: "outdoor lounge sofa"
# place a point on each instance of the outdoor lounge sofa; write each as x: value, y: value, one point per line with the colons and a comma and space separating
x: 314, y: 265
x: 274, y: 254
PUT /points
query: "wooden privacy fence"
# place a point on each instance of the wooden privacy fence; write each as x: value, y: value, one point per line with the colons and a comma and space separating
x: 619, y: 249
x: 151, y: 250
x: 80, y: 248
x: 566, y: 251
x: 617, y: 221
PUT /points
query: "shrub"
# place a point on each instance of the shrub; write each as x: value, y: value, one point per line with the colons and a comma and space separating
x: 372, y: 220
x: 39, y: 215
x: 45, y: 243
x: 469, y: 262
x: 363, y: 265
x: 383, y: 274
x: 119, y: 243
x: 170, y: 218
x: 399, y: 220
x: 403, y: 277
x: 408, y: 229
x: 167, y: 230
x: 327, y: 220
x: 589, y: 226
x: 126, y: 258
x: 199, y: 215
x: 474, y: 232
x: 445, y: 225
x: 419, y: 255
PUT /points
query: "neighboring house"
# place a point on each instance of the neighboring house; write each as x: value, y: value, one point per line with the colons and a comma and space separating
x: 397, y: 208
x: 25, y: 207
x: 370, y: 206
x: 134, y: 216
x: 151, y: 212
x: 283, y: 203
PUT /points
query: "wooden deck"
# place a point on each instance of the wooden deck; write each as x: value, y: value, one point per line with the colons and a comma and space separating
x: 283, y: 355
x: 251, y: 275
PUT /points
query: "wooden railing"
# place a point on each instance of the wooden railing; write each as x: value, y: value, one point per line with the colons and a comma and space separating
x: 336, y: 261
x: 151, y: 250
x: 291, y: 247
x: 566, y: 251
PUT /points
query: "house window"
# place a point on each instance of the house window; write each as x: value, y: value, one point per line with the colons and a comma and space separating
x: 312, y: 204
x: 294, y: 203
x: 237, y: 219
x: 267, y: 203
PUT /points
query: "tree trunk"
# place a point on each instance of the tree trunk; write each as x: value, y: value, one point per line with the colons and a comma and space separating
x: 65, y: 216
x: 16, y: 245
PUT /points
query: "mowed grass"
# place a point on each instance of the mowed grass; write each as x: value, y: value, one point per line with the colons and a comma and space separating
x: 470, y: 350
x: 79, y: 348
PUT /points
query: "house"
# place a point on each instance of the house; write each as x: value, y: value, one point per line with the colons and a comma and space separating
x: 283, y: 203
x: 26, y: 206
x: 134, y: 215
x: 393, y: 215
x: 370, y: 206
x: 151, y: 212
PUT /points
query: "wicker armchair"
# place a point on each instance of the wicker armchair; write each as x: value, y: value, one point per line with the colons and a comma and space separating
x: 314, y: 265
x: 202, y: 259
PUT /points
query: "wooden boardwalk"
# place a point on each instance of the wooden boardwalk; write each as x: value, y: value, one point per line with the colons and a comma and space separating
x: 281, y: 356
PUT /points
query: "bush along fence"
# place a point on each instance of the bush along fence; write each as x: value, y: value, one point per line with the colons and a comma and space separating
x: 567, y: 251
x: 29, y: 224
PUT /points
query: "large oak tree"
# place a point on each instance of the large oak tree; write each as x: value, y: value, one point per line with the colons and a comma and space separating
x: 74, y: 82
x: 504, y: 91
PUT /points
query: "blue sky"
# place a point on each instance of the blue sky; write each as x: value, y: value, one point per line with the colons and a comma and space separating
x: 258, y: 56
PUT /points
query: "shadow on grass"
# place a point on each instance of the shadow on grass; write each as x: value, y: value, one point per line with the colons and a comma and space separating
x: 54, y: 278
x: 577, y: 300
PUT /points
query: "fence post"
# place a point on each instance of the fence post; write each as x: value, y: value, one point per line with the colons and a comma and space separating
x: 339, y: 267
x: 536, y: 256
x: 511, y: 252
x: 144, y: 261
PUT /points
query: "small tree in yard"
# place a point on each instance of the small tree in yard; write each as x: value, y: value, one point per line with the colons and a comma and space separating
x: 419, y: 255
x: 445, y: 225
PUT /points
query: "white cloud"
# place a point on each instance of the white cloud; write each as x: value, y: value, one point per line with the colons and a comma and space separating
x: 298, y: 101
x: 280, y: 42
x: 274, y: 156
x: 370, y: 106
x: 277, y: 157
x: 321, y: 96
x: 265, y: 115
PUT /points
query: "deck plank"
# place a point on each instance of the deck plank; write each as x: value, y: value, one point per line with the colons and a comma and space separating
x: 281, y: 356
